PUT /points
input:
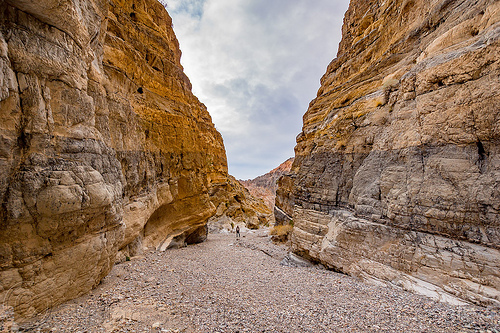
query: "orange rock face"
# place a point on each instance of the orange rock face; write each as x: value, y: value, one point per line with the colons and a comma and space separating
x: 397, y: 166
x: 104, y: 150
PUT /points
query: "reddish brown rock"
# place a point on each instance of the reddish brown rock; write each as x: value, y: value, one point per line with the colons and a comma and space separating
x: 235, y: 205
x: 265, y: 186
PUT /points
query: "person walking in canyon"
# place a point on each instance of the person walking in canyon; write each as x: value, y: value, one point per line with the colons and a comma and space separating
x: 238, y: 231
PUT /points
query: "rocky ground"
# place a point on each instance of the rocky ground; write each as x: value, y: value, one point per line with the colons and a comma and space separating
x: 229, y: 285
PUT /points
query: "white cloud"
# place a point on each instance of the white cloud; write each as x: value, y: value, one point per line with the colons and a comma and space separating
x: 256, y: 64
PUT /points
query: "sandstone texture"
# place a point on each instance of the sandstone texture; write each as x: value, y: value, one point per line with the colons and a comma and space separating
x: 104, y: 150
x: 397, y: 169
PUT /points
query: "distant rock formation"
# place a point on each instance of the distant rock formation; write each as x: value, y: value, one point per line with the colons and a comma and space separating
x: 235, y: 205
x: 397, y: 168
x: 104, y: 150
x: 265, y: 186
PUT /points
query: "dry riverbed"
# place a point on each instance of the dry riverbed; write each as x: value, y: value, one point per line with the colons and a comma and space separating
x: 224, y: 285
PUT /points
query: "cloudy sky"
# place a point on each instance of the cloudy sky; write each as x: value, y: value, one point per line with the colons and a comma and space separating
x: 256, y: 65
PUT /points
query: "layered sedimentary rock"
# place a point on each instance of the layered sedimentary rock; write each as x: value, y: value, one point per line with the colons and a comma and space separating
x: 398, y: 164
x: 103, y: 147
x: 284, y: 200
x: 235, y: 205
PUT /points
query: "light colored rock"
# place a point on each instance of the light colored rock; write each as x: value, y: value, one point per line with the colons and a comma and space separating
x: 292, y: 260
x: 235, y: 205
x: 404, y: 136
x: 442, y: 268
x: 104, y: 150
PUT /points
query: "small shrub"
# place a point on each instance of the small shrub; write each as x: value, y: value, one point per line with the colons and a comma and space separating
x: 280, y: 233
x: 253, y: 226
x: 127, y: 258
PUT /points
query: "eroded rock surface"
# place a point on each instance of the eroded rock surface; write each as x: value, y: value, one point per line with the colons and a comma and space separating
x: 235, y: 205
x: 103, y: 147
x: 398, y: 164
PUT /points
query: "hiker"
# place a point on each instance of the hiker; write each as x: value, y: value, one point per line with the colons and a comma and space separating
x: 238, y: 231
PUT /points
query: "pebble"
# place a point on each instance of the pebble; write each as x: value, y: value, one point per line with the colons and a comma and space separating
x: 214, y: 287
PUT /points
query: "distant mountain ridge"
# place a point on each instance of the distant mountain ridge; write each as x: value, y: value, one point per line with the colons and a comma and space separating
x: 264, y: 186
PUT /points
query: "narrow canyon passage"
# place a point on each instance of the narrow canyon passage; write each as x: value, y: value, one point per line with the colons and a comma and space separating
x: 229, y: 285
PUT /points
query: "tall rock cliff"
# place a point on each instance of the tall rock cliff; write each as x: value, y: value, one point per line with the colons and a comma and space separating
x: 103, y: 147
x: 398, y: 164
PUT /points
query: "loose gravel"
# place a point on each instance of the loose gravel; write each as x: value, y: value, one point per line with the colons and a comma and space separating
x: 229, y: 285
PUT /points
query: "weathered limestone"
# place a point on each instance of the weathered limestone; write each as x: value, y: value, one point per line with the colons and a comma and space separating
x: 397, y: 169
x: 103, y: 146
x: 60, y: 181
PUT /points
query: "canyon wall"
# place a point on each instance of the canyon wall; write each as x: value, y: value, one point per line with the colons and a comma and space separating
x: 397, y: 168
x: 104, y: 150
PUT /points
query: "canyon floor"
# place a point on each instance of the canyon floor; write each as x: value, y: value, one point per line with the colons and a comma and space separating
x: 229, y: 285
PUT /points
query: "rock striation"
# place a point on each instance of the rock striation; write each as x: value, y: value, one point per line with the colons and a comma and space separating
x: 104, y: 150
x: 397, y: 168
